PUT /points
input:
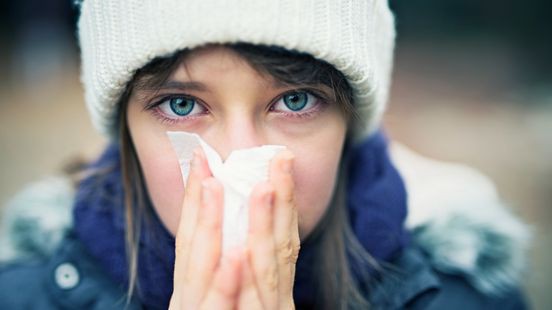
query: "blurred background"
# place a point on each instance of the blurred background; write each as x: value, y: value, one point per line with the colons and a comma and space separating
x: 472, y: 84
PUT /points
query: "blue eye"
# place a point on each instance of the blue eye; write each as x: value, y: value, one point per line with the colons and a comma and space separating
x: 296, y: 101
x: 180, y: 106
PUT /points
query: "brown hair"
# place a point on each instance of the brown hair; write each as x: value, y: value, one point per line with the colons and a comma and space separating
x: 335, y: 242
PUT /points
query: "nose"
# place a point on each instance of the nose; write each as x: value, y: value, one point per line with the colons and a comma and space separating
x: 238, y: 132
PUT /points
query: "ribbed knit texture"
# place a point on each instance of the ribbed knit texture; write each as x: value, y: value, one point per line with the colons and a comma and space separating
x: 376, y: 203
x: 117, y: 37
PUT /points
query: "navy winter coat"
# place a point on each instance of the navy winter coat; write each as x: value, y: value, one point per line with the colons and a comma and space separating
x: 70, y: 279
x: 467, y: 250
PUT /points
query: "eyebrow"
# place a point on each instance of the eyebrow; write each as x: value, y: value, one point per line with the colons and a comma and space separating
x: 171, y: 84
x: 179, y: 85
x: 196, y: 86
x: 279, y: 84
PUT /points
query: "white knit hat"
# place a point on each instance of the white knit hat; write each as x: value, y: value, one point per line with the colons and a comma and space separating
x: 117, y: 37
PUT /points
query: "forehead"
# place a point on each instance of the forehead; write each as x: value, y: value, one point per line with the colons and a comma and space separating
x: 211, y: 63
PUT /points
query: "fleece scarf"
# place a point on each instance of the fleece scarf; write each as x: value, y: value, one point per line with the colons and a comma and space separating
x: 376, y: 201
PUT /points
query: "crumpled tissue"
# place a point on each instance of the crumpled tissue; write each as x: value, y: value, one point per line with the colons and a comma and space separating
x: 239, y: 173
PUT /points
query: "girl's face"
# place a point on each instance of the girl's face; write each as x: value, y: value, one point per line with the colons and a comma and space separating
x: 219, y: 96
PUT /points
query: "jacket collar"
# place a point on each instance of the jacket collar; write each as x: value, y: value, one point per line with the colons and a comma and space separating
x: 446, y: 216
x: 408, y: 276
x: 75, y: 279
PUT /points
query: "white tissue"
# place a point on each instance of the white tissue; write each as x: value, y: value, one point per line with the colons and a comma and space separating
x: 242, y: 170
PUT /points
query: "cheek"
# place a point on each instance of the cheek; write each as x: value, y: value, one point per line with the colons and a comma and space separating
x: 162, y: 175
x: 315, y: 181
x: 165, y: 186
x: 315, y: 173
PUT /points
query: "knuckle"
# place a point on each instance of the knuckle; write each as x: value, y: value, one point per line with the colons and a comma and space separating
x: 270, y: 276
x: 285, y: 250
x: 295, y: 246
x: 288, y: 196
x: 283, y: 246
x: 295, y: 252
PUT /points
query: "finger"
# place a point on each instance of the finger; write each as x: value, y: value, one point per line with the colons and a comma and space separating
x: 285, y: 285
x: 205, y: 251
x: 281, y: 179
x: 190, y: 206
x: 261, y: 245
x: 249, y: 295
x: 295, y: 244
x: 192, y: 196
x: 225, y: 287
x: 286, y: 231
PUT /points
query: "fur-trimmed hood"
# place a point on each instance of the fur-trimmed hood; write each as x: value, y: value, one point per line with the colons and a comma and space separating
x: 459, y: 220
x: 454, y: 213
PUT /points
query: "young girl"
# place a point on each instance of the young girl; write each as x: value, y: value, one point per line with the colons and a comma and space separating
x: 326, y: 230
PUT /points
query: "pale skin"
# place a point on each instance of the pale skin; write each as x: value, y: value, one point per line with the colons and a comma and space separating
x: 236, y: 107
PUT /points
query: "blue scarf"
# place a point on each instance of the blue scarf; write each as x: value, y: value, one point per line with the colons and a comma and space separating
x: 376, y: 200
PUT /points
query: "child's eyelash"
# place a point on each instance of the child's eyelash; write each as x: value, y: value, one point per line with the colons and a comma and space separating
x: 153, y: 106
x: 162, y: 118
x: 321, y: 102
x: 304, y: 114
x: 319, y: 96
x: 155, y: 102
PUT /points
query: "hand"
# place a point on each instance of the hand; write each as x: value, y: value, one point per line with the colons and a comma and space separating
x: 268, y: 269
x: 202, y: 280
x: 258, y: 277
